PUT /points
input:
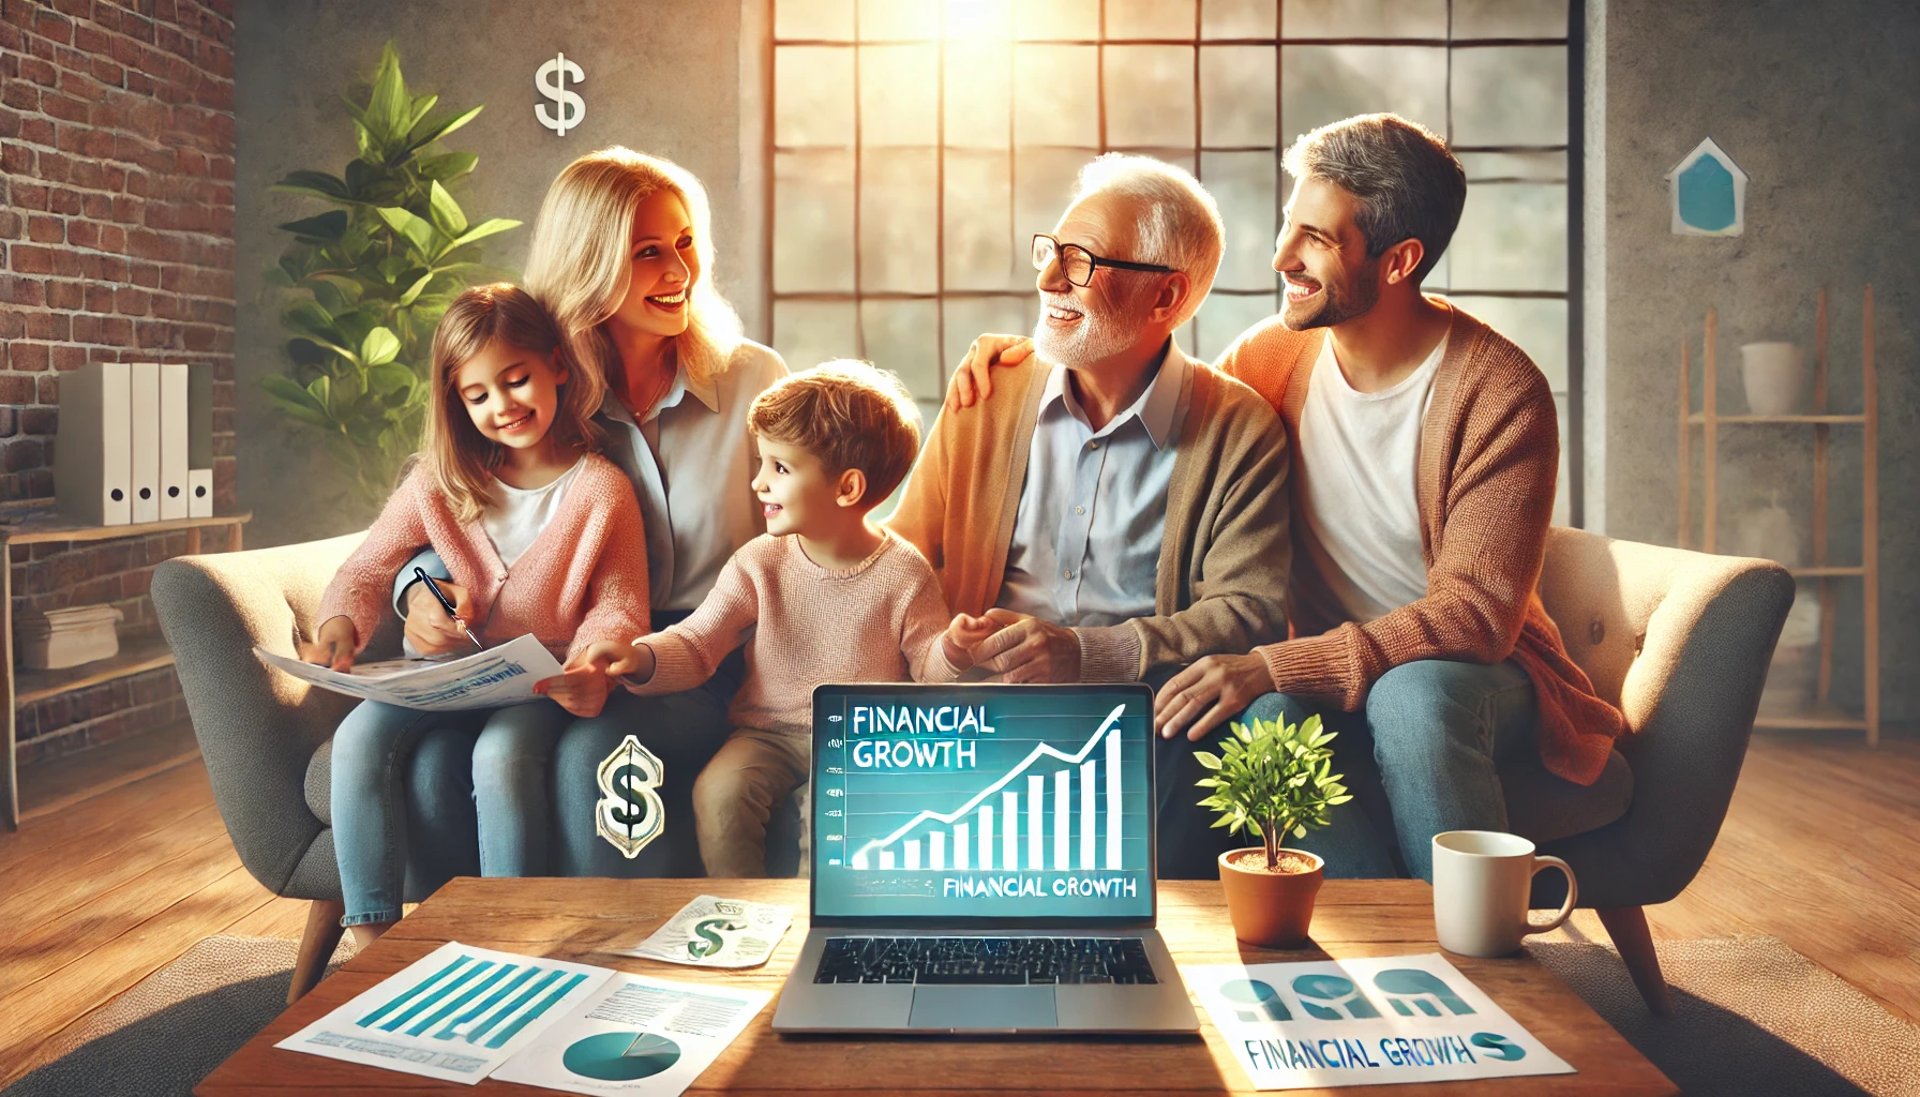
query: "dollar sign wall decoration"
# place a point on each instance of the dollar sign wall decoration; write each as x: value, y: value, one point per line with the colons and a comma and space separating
x: 629, y: 814
x: 551, y: 80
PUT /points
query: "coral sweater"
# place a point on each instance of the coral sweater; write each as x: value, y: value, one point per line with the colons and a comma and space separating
x: 584, y: 577
x: 1489, y: 457
x: 879, y: 621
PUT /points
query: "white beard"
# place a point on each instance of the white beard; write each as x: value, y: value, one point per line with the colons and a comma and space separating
x: 1100, y: 335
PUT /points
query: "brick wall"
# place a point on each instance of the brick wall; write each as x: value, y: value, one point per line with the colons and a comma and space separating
x: 116, y: 244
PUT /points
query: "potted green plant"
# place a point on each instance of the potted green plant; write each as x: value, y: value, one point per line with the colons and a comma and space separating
x: 364, y: 283
x: 1272, y: 779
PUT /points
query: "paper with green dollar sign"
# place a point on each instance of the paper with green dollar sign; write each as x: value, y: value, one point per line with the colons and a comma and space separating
x: 714, y: 932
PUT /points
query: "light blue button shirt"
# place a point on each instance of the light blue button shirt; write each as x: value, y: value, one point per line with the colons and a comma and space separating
x: 1086, y: 539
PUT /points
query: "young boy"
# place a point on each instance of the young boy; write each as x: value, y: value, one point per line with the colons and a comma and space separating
x: 825, y: 596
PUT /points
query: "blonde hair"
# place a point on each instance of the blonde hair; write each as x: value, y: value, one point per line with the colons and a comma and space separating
x: 462, y: 459
x: 851, y: 415
x: 581, y: 259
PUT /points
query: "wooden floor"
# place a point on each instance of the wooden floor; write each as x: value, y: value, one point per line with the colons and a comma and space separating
x: 1821, y: 849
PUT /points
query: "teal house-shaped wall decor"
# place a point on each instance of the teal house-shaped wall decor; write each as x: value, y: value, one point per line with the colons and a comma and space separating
x: 1708, y: 193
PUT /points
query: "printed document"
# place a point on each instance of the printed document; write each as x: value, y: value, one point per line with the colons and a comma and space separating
x: 1364, y: 1021
x: 712, y: 932
x: 501, y: 675
x: 462, y: 1013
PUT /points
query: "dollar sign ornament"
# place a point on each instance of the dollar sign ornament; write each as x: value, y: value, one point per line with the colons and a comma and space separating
x: 630, y: 815
x: 710, y: 940
x: 551, y: 80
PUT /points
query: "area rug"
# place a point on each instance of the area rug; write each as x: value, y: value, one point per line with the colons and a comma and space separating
x: 168, y: 1031
x: 1750, y: 1016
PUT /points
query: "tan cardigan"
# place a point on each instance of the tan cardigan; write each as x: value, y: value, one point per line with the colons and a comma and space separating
x: 1489, y: 458
x: 1221, y: 580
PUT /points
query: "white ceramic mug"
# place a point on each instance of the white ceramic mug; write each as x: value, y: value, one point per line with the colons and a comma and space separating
x: 1481, y: 883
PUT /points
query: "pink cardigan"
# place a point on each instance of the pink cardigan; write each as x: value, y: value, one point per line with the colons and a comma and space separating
x: 584, y: 578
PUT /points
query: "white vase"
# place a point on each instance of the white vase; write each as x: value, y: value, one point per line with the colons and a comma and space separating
x: 1775, y: 375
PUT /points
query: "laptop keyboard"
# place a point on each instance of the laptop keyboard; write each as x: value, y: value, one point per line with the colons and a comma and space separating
x: 985, y: 960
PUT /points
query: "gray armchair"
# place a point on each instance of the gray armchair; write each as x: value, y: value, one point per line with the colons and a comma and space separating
x: 1680, y: 641
x: 266, y: 739
x: 264, y: 735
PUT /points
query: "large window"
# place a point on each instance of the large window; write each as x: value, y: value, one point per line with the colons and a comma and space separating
x: 917, y: 144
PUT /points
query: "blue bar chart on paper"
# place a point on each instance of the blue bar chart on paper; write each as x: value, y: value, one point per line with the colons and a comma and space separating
x: 1033, y: 803
x: 474, y: 1001
x: 457, y: 1013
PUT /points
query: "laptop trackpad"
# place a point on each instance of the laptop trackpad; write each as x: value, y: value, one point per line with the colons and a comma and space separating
x: 989, y: 1008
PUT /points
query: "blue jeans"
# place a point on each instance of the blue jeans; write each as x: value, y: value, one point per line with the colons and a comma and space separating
x: 684, y: 730
x: 1421, y: 756
x: 371, y: 755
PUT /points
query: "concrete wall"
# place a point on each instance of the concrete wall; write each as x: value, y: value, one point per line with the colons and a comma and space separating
x: 1801, y: 96
x: 662, y: 76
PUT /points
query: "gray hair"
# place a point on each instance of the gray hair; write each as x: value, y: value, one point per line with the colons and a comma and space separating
x: 1408, y: 183
x: 1181, y: 227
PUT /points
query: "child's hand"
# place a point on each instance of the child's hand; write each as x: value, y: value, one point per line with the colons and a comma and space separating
x: 332, y: 644
x: 611, y: 656
x: 964, y: 634
x: 428, y: 628
x: 581, y: 688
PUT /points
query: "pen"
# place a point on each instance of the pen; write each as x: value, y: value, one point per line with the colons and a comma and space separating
x: 441, y: 597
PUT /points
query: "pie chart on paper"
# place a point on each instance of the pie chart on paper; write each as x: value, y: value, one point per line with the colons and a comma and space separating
x: 621, y: 1056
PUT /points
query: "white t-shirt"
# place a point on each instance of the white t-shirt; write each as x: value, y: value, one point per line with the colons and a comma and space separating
x: 1358, y: 452
x: 519, y: 514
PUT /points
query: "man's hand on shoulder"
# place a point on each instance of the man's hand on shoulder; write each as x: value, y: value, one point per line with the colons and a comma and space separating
x: 1206, y: 694
x: 973, y: 382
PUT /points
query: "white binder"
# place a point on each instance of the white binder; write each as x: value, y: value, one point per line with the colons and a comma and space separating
x: 145, y: 410
x: 200, y: 441
x: 91, y: 464
x: 174, y: 490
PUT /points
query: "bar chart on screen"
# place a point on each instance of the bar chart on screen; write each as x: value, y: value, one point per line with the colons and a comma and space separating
x: 1021, y: 796
x: 1066, y: 818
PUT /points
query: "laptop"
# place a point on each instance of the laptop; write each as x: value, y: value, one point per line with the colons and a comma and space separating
x: 983, y: 862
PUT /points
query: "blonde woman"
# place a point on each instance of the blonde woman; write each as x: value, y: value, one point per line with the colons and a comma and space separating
x: 622, y: 256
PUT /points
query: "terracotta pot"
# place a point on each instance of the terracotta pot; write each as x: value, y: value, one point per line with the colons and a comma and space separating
x: 1272, y: 910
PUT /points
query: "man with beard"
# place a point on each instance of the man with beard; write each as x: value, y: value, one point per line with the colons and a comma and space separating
x: 1128, y: 512
x: 1425, y: 457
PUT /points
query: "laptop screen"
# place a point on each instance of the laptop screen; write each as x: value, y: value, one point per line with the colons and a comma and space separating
x: 960, y: 802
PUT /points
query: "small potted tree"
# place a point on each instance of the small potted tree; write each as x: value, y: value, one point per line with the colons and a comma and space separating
x: 1272, y: 779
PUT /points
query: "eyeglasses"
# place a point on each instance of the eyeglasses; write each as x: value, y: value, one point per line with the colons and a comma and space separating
x: 1077, y: 263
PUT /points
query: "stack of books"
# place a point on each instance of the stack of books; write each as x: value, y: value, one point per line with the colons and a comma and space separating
x: 59, y: 638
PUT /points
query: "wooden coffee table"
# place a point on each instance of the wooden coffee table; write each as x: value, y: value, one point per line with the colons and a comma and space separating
x: 575, y: 919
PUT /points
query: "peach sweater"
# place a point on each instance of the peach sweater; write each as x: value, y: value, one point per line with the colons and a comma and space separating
x: 879, y: 621
x: 584, y: 578
x: 1489, y: 456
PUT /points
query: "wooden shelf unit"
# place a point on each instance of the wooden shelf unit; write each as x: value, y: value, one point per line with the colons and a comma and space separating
x: 139, y: 655
x: 1822, y: 713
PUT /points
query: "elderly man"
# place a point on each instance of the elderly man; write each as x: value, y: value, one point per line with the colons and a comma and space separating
x: 1425, y: 455
x: 1127, y: 513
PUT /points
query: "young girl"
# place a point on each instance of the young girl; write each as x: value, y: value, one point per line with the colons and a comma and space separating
x: 545, y: 537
